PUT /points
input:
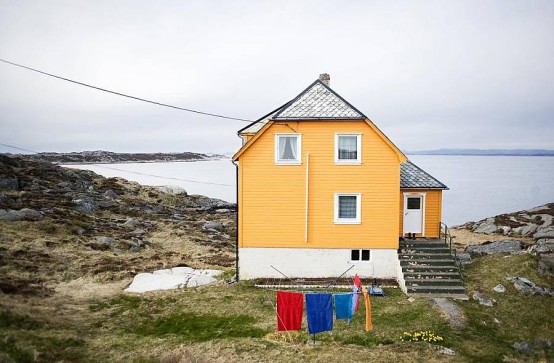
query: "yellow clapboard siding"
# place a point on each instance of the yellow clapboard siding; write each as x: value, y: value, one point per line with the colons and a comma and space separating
x: 433, y: 210
x: 272, y: 198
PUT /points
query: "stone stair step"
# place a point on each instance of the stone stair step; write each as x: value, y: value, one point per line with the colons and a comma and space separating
x: 429, y: 269
x: 426, y: 256
x: 427, y: 274
x: 436, y: 289
x: 423, y: 244
x: 433, y: 282
x: 428, y: 263
x: 418, y: 250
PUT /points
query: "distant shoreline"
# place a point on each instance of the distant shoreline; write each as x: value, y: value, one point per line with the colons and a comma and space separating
x: 484, y: 152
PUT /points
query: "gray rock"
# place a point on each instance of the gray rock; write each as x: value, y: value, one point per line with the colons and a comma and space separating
x: 499, y: 288
x: 547, y: 221
x: 544, y: 344
x: 139, y: 231
x: 106, y: 204
x: 546, y: 264
x: 3, y: 198
x: 131, y: 222
x: 483, y: 300
x: 545, y: 233
x: 464, y: 257
x: 488, y: 248
x: 27, y: 214
x: 543, y: 245
x: 117, y: 251
x: 134, y: 249
x: 486, y: 227
x: 213, y: 225
x: 109, y: 194
x: 106, y: 240
x: 523, y: 347
x: 223, y: 210
x: 9, y: 183
x: 172, y: 189
x: 84, y: 205
x: 528, y: 229
x: 523, y: 286
x: 445, y: 350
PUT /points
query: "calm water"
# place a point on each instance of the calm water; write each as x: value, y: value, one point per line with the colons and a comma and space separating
x: 480, y: 186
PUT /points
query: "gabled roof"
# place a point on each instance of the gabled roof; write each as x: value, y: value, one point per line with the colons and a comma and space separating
x: 413, y: 177
x: 318, y: 102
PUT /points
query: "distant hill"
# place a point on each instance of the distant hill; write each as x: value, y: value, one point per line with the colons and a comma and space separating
x: 491, y: 152
x: 107, y: 157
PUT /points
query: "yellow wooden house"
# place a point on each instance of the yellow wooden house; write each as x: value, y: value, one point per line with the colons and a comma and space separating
x: 321, y: 189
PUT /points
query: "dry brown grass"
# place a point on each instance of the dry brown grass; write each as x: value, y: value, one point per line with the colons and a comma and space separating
x: 464, y: 237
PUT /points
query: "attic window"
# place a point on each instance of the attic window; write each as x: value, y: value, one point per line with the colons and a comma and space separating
x: 288, y: 149
x: 348, y: 149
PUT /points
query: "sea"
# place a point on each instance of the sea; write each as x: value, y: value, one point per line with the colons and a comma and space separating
x: 479, y: 186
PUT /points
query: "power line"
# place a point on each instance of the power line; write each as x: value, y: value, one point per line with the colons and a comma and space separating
x: 123, y: 94
x: 132, y: 172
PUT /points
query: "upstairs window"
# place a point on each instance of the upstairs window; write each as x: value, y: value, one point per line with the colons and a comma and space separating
x: 348, y: 149
x: 288, y: 149
x: 348, y: 208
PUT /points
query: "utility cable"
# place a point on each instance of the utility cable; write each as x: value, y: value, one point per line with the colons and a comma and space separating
x: 125, y: 95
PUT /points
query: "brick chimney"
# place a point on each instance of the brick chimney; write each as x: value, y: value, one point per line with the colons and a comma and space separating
x: 325, y: 78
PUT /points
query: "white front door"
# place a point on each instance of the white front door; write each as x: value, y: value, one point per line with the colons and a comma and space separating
x: 414, y: 206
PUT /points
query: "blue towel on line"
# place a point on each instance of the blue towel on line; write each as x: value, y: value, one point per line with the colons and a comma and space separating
x: 343, y: 306
x: 319, y: 312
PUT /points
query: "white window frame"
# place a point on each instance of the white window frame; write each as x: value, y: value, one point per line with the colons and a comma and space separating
x: 357, y: 161
x: 358, y: 219
x: 360, y: 252
x: 298, y: 160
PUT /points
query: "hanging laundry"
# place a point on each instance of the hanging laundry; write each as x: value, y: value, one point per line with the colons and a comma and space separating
x: 356, y: 291
x: 343, y: 305
x: 319, y: 311
x: 290, y: 306
x: 368, y: 325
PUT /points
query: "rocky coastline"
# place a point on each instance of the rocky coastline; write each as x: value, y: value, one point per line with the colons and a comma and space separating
x: 108, y: 157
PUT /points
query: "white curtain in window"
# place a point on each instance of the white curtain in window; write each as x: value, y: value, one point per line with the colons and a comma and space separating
x: 347, y: 206
x: 288, y: 147
x: 348, y: 147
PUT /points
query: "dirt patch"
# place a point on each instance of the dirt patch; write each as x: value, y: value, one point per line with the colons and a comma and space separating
x: 11, y: 285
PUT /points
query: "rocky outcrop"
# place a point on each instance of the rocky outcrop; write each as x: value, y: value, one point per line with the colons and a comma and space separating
x: 488, y: 248
x: 107, y: 157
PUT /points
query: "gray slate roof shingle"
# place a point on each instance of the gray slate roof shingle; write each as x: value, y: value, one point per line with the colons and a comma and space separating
x: 413, y: 177
x: 318, y: 101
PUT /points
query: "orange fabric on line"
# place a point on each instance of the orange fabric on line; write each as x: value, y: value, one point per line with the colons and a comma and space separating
x: 368, y: 325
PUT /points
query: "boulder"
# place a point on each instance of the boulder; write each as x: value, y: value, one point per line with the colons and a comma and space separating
x: 483, y: 300
x: 109, y: 194
x: 464, y: 257
x: 528, y: 229
x: 218, y: 226
x: 3, y: 198
x: 499, y: 288
x: 84, y: 205
x: 544, y: 233
x: 524, y: 285
x: 488, y: 248
x: 172, y: 189
x: 9, y: 183
x: 106, y: 240
x: 26, y: 214
x: 523, y: 347
x: 487, y: 226
x: 131, y: 222
x: 546, y: 264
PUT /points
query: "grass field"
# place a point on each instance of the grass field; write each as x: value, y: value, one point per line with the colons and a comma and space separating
x: 236, y: 322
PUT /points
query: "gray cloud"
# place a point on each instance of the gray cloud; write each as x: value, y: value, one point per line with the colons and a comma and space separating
x: 429, y: 74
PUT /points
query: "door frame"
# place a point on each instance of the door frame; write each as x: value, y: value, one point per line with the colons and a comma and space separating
x: 405, y: 206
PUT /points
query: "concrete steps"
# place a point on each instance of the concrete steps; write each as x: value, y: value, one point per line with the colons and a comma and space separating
x: 429, y: 269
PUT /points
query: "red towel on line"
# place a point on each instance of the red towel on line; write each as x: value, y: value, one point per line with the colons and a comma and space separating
x: 290, y: 306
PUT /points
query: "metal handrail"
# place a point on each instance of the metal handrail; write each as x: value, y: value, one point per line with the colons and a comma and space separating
x: 443, y: 228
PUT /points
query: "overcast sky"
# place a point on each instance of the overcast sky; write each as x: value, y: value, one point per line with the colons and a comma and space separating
x: 430, y: 74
